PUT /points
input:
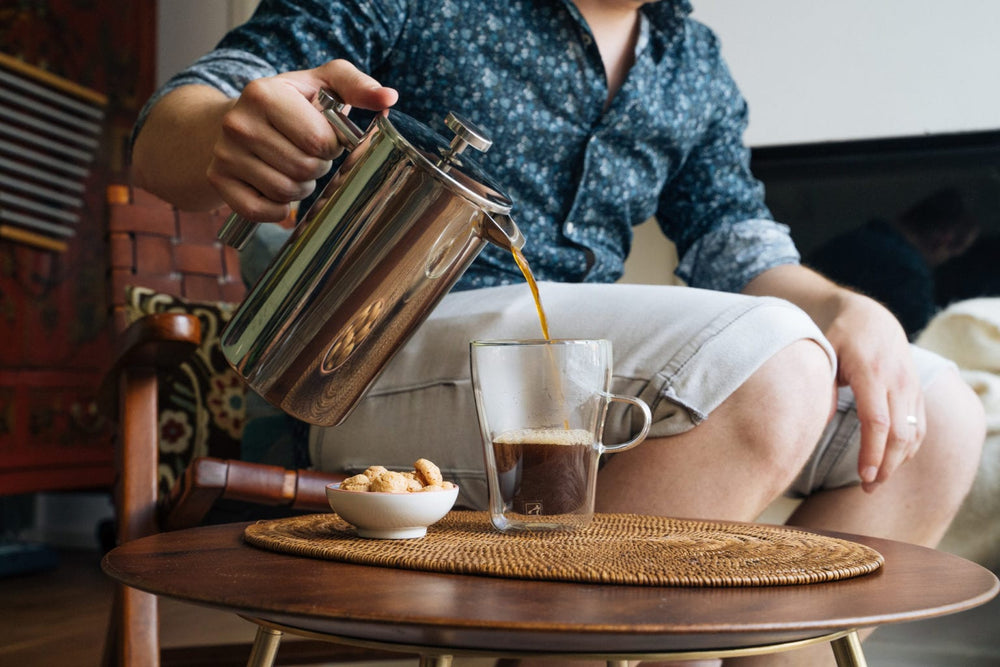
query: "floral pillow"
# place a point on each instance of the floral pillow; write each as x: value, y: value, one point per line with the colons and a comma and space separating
x: 202, y: 401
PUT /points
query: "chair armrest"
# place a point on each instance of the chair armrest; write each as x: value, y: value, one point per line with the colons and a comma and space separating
x: 311, y: 489
x: 156, y: 341
x: 164, y: 340
x: 208, y: 479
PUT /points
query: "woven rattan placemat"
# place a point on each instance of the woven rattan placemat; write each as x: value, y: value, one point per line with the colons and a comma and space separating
x: 615, y: 549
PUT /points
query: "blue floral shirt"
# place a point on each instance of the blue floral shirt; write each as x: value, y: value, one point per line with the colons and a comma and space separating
x: 529, y: 72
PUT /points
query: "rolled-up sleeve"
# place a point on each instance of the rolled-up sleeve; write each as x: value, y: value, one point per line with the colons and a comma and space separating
x: 729, y: 257
x: 284, y: 36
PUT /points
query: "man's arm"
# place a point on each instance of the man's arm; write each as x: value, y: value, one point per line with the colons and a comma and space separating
x: 170, y: 156
x: 873, y: 357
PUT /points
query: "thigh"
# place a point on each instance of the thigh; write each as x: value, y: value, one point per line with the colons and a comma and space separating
x: 682, y: 350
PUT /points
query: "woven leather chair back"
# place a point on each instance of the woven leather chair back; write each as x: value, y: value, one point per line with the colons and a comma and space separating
x: 165, y: 369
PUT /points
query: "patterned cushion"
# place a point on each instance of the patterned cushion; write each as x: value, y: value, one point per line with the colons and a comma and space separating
x: 202, y: 401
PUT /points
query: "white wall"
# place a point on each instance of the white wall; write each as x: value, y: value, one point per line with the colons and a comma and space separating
x: 816, y: 70
x: 186, y: 29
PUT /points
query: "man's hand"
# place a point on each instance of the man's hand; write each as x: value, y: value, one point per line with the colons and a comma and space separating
x: 873, y: 358
x: 274, y: 143
x: 875, y: 361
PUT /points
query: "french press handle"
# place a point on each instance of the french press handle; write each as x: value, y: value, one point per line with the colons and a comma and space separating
x: 236, y: 231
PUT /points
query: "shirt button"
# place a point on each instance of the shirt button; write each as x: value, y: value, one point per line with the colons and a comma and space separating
x: 570, y: 228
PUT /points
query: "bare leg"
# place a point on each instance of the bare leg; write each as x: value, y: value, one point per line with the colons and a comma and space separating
x: 738, y: 460
x: 735, y: 463
x: 916, y: 504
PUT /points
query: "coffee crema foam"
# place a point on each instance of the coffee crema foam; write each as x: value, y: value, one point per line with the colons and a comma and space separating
x: 545, y: 436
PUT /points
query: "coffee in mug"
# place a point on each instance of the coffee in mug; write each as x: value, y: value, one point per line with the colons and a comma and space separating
x: 549, y: 469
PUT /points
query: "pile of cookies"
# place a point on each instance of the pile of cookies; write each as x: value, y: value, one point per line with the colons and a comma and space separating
x: 425, y: 476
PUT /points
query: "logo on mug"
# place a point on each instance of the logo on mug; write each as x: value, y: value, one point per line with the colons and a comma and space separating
x: 534, y: 508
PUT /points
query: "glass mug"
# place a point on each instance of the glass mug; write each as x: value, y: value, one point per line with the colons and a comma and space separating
x: 542, y: 407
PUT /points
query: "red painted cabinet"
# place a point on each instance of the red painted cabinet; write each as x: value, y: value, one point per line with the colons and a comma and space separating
x: 55, y: 334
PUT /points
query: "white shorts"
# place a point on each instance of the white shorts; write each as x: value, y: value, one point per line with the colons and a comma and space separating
x: 682, y: 350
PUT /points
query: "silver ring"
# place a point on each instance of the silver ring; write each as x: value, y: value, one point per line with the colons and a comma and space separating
x: 911, y: 420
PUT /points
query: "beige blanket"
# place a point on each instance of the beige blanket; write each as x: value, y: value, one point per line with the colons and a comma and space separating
x: 968, y: 332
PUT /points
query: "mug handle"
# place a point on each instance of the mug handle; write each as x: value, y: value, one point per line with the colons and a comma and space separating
x: 643, y: 432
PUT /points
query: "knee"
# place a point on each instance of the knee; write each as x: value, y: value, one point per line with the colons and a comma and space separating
x: 794, y: 394
x: 956, y: 430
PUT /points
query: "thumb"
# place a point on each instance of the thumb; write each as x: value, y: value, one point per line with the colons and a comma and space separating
x: 354, y: 86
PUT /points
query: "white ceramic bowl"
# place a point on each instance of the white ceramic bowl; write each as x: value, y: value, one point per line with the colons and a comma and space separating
x: 390, y: 516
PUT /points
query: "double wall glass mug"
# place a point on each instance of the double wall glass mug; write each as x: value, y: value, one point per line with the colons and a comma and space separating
x: 542, y: 407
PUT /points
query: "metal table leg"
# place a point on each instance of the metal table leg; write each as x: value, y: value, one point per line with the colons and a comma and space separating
x: 265, y: 647
x: 846, y: 646
x: 428, y: 660
x: 847, y: 651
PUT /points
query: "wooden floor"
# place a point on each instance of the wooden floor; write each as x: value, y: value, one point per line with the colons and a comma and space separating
x: 61, y: 615
x: 55, y: 617
x: 58, y: 617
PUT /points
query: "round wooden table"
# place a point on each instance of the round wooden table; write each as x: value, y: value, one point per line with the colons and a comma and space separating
x: 442, y: 615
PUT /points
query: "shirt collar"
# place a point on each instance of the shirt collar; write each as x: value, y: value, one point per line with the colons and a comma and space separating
x: 665, y: 14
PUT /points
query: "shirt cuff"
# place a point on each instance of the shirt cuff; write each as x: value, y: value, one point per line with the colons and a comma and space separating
x: 728, y: 258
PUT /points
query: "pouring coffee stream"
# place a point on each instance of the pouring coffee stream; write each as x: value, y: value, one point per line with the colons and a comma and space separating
x: 522, y: 264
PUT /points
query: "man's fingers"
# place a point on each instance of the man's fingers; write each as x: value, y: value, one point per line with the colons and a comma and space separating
x: 891, y: 433
x: 275, y: 144
x: 296, y: 117
x: 873, y: 415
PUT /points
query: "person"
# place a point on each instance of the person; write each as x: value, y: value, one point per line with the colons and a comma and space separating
x: 896, y: 262
x: 763, y: 376
x: 972, y: 275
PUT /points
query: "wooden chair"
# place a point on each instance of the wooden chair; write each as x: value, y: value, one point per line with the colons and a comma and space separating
x: 176, y: 254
